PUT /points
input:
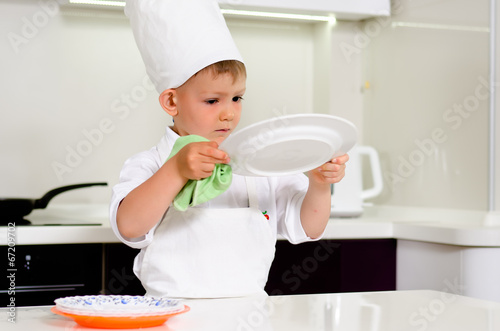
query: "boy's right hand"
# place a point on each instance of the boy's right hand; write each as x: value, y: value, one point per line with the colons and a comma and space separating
x: 197, y: 160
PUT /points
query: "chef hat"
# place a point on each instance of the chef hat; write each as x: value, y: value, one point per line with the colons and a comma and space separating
x: 178, y: 38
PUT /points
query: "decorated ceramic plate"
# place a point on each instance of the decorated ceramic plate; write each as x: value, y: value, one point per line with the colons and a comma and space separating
x: 289, y: 144
x: 118, y: 311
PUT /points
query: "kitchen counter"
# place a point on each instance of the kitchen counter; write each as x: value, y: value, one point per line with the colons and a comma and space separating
x: 90, y: 224
x: 371, y: 311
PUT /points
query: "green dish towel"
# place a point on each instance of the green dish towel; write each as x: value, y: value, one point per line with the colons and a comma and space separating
x: 196, y: 192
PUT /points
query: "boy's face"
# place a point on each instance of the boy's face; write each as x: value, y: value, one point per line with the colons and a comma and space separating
x: 209, y: 106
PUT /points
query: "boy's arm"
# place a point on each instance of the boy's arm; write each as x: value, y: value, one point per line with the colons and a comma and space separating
x: 144, y: 206
x: 316, y: 207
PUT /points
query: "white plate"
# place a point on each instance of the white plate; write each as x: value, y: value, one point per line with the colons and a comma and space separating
x: 289, y: 144
x: 117, y: 305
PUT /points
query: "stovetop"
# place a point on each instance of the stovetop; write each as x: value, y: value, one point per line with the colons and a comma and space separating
x: 68, y: 215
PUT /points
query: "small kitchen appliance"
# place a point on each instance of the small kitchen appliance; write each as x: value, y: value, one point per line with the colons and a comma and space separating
x: 349, y: 194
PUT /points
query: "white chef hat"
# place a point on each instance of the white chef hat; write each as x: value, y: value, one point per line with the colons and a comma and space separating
x: 178, y: 38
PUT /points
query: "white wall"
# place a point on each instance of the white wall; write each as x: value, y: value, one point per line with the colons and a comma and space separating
x: 76, y: 72
x: 76, y: 102
x: 497, y: 116
x: 426, y: 110
x: 64, y: 75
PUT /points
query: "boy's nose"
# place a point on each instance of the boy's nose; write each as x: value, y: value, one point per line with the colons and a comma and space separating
x: 227, y: 114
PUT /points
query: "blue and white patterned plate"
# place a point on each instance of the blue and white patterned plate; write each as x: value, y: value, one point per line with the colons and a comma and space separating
x: 117, y: 305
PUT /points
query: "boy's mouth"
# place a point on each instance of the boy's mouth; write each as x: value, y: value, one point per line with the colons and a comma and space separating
x: 223, y: 130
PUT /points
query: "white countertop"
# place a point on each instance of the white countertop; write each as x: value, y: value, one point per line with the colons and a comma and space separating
x: 454, y: 227
x: 370, y: 311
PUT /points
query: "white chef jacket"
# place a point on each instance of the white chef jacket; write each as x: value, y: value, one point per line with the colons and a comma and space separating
x: 279, y: 197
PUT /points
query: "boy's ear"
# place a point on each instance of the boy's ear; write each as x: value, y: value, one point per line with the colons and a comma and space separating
x: 168, y: 101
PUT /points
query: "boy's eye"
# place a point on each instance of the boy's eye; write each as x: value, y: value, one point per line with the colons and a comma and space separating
x: 236, y: 99
x: 211, y: 101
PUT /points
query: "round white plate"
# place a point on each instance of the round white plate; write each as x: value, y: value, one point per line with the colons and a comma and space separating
x: 117, y: 305
x: 289, y: 144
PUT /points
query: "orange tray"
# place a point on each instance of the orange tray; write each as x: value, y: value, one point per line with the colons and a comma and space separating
x: 120, y: 322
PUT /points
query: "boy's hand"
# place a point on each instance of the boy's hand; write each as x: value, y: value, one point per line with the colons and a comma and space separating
x: 197, y: 160
x: 330, y: 172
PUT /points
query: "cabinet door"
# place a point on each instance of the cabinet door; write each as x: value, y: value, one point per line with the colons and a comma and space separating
x: 306, y: 268
x: 368, y: 265
x: 119, y: 277
x: 43, y: 273
x: 332, y: 266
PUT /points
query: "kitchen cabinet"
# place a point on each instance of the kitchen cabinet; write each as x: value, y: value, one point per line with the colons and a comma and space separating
x: 345, y: 10
x: 47, y: 272
x: 348, y: 10
x: 333, y: 266
x: 119, y: 277
x: 463, y: 270
x: 326, y: 266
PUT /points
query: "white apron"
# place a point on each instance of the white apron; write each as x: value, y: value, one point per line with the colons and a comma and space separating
x: 210, y: 253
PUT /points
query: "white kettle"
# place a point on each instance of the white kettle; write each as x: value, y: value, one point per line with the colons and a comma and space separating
x: 349, y: 194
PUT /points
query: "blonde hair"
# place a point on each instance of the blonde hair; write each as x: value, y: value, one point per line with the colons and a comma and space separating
x: 233, y: 67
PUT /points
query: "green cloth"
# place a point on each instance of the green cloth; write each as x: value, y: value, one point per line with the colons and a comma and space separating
x: 196, y: 192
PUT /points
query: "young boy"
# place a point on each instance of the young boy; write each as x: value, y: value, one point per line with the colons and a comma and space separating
x: 224, y: 247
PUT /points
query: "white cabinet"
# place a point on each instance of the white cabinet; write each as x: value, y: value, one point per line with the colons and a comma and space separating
x: 464, y: 270
x: 342, y: 9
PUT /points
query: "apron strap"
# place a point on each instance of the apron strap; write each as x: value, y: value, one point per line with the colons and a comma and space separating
x: 253, y: 202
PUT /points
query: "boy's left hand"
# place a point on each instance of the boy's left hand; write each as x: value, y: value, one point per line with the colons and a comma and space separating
x: 330, y: 172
